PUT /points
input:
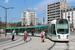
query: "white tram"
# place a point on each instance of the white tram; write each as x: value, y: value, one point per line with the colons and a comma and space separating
x: 59, y: 30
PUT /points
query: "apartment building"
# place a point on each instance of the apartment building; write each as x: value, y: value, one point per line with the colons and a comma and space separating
x: 54, y: 10
x: 69, y: 14
x: 28, y: 17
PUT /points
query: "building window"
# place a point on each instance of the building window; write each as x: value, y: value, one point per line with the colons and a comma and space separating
x: 47, y: 15
x: 67, y: 9
x: 73, y: 8
x: 68, y: 13
x: 70, y: 9
x: 63, y: 11
x: 72, y: 13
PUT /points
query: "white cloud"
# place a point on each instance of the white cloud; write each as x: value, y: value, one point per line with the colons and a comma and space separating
x: 43, y: 3
x: 6, y: 1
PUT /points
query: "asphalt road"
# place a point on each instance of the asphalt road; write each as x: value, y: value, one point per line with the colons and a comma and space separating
x: 72, y: 33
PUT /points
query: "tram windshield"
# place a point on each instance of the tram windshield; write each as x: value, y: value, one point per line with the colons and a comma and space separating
x: 62, y: 26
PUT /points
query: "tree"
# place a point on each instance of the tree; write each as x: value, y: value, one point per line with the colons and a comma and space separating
x: 0, y: 24
x: 39, y: 23
x: 19, y: 24
x: 71, y: 26
x: 23, y: 25
x: 8, y: 25
x: 31, y: 24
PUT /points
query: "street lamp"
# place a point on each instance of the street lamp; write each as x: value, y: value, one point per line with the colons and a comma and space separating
x: 6, y: 17
x: 69, y: 19
x: 36, y: 20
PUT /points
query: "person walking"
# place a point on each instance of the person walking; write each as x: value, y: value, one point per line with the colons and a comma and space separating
x: 13, y: 33
x: 0, y: 33
x: 32, y: 33
x: 25, y: 35
x: 42, y: 36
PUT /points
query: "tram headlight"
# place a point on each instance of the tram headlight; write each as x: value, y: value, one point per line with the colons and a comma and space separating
x: 59, y: 36
x: 67, y: 36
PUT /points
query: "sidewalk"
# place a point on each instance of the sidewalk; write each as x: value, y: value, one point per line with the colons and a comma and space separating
x: 33, y: 43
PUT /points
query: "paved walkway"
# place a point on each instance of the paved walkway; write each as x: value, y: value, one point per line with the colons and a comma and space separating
x: 34, y: 43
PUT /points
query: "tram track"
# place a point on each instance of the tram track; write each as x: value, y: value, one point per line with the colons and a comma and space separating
x: 55, y: 42
x: 72, y: 40
x: 67, y: 46
x: 52, y: 46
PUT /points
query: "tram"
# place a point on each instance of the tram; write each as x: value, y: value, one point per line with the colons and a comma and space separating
x: 57, y: 30
x: 36, y: 29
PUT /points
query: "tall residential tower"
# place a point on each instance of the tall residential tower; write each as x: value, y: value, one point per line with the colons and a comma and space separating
x: 54, y: 10
x: 28, y: 17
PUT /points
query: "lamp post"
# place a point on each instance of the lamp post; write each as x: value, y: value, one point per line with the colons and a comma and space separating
x: 36, y: 20
x: 6, y: 17
x: 69, y: 19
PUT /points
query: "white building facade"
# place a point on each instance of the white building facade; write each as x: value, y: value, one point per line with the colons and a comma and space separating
x: 28, y: 17
x: 69, y: 13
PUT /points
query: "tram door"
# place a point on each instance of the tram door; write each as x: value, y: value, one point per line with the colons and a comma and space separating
x: 53, y: 31
x: 17, y: 32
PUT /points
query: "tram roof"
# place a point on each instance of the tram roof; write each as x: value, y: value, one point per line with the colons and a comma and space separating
x: 28, y: 27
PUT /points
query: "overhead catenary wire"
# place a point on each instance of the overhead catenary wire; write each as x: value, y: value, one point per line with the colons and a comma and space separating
x: 26, y: 4
x: 40, y: 14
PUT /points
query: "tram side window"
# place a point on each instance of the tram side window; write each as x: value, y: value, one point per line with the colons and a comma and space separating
x: 8, y: 30
x: 53, y: 29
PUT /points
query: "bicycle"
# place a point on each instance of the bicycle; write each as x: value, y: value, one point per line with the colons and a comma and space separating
x: 25, y: 38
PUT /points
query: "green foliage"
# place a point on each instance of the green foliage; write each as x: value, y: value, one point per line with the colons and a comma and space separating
x: 2, y: 25
x: 39, y: 23
x: 19, y: 24
x: 24, y: 25
x: 31, y: 24
x: 71, y: 26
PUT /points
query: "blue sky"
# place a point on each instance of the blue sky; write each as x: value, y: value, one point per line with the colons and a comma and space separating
x: 14, y: 15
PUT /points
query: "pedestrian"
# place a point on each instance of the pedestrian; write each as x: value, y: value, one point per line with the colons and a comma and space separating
x: 45, y: 34
x: 0, y: 33
x: 25, y: 35
x: 32, y: 33
x: 42, y: 36
x: 13, y: 33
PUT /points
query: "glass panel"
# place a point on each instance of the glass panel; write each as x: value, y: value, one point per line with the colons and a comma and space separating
x: 53, y: 29
x: 62, y: 26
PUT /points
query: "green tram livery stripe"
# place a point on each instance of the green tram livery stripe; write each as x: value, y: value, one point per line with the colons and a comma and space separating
x: 23, y: 33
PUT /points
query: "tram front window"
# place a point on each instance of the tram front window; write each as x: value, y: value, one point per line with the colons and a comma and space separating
x: 62, y: 26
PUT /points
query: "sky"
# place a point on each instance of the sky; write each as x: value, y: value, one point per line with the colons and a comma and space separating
x: 15, y: 14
